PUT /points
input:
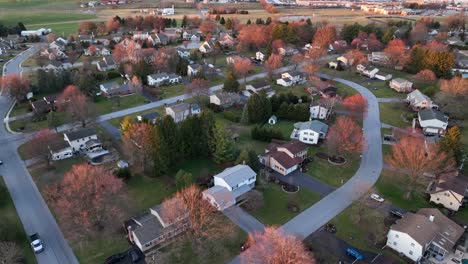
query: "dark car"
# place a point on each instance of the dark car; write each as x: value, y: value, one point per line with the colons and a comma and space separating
x: 114, y: 259
x: 1, y: 162
x: 134, y: 255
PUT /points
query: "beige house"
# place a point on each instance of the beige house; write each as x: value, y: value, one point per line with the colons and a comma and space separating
x: 449, y: 191
x: 401, y: 85
x: 284, y: 158
x: 418, y: 101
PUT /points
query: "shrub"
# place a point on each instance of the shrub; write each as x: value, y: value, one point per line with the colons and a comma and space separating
x: 123, y: 174
x: 266, y: 134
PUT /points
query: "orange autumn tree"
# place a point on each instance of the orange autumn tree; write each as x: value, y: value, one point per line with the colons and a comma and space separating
x: 397, y: 53
x: 273, y: 63
x: 345, y: 137
x: 356, y: 105
x: 274, y: 246
x: 241, y: 67
x: 15, y: 86
x: 415, y: 156
x: 425, y: 76
x: 457, y: 86
x: 87, y: 201
x: 138, y: 141
x: 75, y: 104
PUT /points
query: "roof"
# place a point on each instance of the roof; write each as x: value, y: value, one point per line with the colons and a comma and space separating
x: 177, y: 108
x: 50, y: 98
x: 109, y: 60
x: 92, y: 142
x: 258, y: 85
x: 158, y: 75
x: 40, y: 106
x: 173, y: 76
x: 330, y: 89
x: 151, y: 116
x: 82, y: 133
x: 418, y: 96
x: 400, y: 81
x: 57, y: 144
x: 441, y: 230
x: 273, y: 117
x: 429, y: 114
x: 110, y: 85
x: 294, y: 146
x: 236, y: 174
x: 284, y: 159
x: 221, y: 195
x: 314, y: 125
x: 457, y: 184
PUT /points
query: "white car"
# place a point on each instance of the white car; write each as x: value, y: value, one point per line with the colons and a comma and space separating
x: 36, y: 243
x: 377, y: 198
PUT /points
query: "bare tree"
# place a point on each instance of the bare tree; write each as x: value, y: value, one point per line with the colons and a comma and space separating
x: 9, y: 253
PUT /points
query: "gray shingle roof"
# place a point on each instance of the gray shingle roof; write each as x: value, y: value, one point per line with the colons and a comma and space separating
x: 314, y: 125
x: 82, y: 133
x: 236, y: 174
x: 429, y: 114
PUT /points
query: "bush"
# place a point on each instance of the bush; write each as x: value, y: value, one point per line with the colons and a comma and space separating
x: 215, y: 108
x: 113, y: 74
x: 123, y: 174
x: 266, y: 134
x: 232, y: 116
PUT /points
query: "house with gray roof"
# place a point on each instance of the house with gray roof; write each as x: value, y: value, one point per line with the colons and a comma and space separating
x: 77, y: 139
x: 150, y: 117
x: 161, y: 78
x: 309, y: 132
x: 111, y: 89
x: 418, y: 101
x: 432, y: 122
x: 180, y: 112
x: 158, y: 227
x: 229, y: 185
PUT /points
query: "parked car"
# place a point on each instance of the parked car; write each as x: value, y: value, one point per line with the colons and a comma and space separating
x: 377, y: 198
x: 397, y: 213
x: 354, y: 253
x: 134, y: 255
x: 1, y: 162
x: 36, y: 243
x: 114, y: 259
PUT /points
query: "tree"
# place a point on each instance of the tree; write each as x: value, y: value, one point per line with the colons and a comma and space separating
x: 231, y: 84
x: 415, y: 156
x: 126, y: 124
x: 52, y: 120
x: 457, y: 86
x: 396, y: 53
x: 355, y: 57
x: 9, y: 253
x: 345, y: 137
x: 425, y: 76
x: 324, y: 36
x: 273, y: 63
x: 242, y: 66
x: 274, y: 246
x: 451, y: 142
x: 139, y: 145
x: 225, y: 148
x: 183, y: 179
x: 38, y: 147
x: 87, y: 27
x: 418, y: 33
x: 356, y: 105
x: 112, y: 24
x: 15, y: 86
x: 198, y: 87
x: 258, y: 108
x: 75, y: 104
x: 248, y: 157
x: 208, y: 27
x: 87, y: 201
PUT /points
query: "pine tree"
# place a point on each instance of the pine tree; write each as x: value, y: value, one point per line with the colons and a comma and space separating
x: 169, y: 138
x: 230, y: 83
x: 225, y: 149
x: 208, y: 122
x: 222, y: 21
x: 258, y: 108
x: 52, y: 120
x: 245, y: 115
x: 249, y: 22
x: 174, y: 23
x: 184, y: 21
x: 268, y: 21
x: 183, y: 179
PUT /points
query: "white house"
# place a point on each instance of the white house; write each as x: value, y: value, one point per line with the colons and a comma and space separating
x: 383, y: 76
x: 259, y: 56
x: 224, y: 99
x: 180, y: 112
x: 432, y: 121
x: 168, y: 11
x: 418, y: 101
x: 290, y: 78
x: 207, y: 47
x: 193, y: 69
x: 318, y: 111
x: 401, y: 85
x: 229, y: 185
x: 255, y: 88
x: 426, y: 232
x: 183, y: 53
x: 37, y: 32
x: 60, y: 149
x: 163, y: 78
x: 309, y: 132
x: 77, y: 139
x: 378, y: 58
x: 140, y: 35
x: 449, y: 190
x: 367, y: 71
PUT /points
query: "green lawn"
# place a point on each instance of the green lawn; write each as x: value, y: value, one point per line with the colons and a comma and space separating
x: 298, y: 90
x: 97, y: 250
x: 11, y: 229
x: 275, y: 210
x: 61, y: 29
x: 38, y: 4
x: 285, y: 126
x: 199, y: 167
x: 28, y: 125
x: 169, y: 91
x: 394, y: 114
x: 34, y: 18
x: 146, y: 192
x: 105, y: 105
x: 20, y: 109
x: 393, y: 186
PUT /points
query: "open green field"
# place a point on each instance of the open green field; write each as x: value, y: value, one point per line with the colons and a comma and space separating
x: 62, y: 29
x: 25, y: 5
x: 395, y: 114
x: 11, y: 229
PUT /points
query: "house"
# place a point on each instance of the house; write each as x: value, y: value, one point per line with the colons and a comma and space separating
x: 158, y: 227
x: 152, y: 117
x: 255, y: 88
x: 193, y: 69
x: 345, y: 61
x: 180, y: 112
x: 290, y: 78
x: 338, y: 45
x: 401, y: 85
x: 226, y: 40
x: 110, y: 89
x: 449, y: 190
x: 183, y: 53
x: 259, y: 56
x: 329, y: 92
x: 309, y: 132
x: 418, y: 101
x: 289, y: 50
x: 163, y: 78
x: 158, y: 39
x: 59, y: 44
x: 207, y: 47
x: 191, y: 35
x: 107, y: 63
x: 425, y: 233
x: 140, y: 35
x: 40, y: 107
x: 98, y: 51
x: 86, y: 38
x: 284, y: 158
x: 224, y: 99
x: 77, y: 139
x: 60, y: 149
x: 53, y: 66
x: 229, y: 185
x: 318, y: 110
x: 432, y: 121
x: 168, y: 11
x: 272, y: 120
x: 380, y: 58
x: 383, y: 76
x: 334, y: 65
x: 367, y: 71
x: 93, y: 145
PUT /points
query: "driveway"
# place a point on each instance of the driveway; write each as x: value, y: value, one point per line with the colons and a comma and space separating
x: 244, y: 220
x: 303, y: 180
x: 111, y: 129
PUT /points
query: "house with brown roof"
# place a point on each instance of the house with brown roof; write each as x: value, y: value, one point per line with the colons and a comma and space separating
x: 425, y: 234
x: 449, y: 191
x: 284, y: 158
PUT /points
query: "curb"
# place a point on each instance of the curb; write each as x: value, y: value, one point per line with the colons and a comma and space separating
x: 6, y: 120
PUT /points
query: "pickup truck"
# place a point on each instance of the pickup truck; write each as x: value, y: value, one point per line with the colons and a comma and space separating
x: 36, y: 243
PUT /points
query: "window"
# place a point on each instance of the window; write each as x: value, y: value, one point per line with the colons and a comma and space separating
x: 394, y: 243
x: 438, y: 199
x: 411, y: 252
x: 397, y: 236
x: 451, y: 203
x: 412, y: 244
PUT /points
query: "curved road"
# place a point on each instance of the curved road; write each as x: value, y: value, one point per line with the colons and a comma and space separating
x: 366, y: 176
x: 31, y: 208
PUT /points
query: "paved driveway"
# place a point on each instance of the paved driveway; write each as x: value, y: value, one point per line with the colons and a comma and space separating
x: 244, y: 220
x: 305, y: 181
x: 111, y: 129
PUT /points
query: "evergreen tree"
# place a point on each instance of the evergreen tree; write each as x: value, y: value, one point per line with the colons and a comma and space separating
x: 259, y: 21
x: 259, y: 108
x: 230, y: 83
x: 249, y: 22
x: 208, y: 122
x: 184, y: 21
x: 225, y: 149
x: 268, y: 21
x: 222, y: 21
x: 169, y: 138
x: 249, y: 157
x: 52, y: 121
x: 183, y: 179
x: 388, y: 35
x: 309, y: 21
x: 181, y: 66
x: 174, y: 23
x: 245, y: 116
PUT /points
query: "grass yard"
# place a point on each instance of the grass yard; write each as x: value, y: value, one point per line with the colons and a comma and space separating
x: 11, y: 229
x: 275, y: 209
x: 145, y: 192
x: 97, y: 250
x: 297, y: 90
x: 105, y: 105
x: 285, y: 126
x: 20, y: 109
x: 395, y: 114
x: 198, y: 167
x: 393, y: 187
x: 169, y: 91
x: 28, y: 125
x: 60, y: 29
x: 34, y: 18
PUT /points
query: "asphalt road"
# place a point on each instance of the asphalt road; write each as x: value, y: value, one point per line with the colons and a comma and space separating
x: 32, y: 210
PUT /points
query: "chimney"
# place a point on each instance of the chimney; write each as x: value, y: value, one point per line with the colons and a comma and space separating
x: 431, y: 218
x: 243, y: 162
